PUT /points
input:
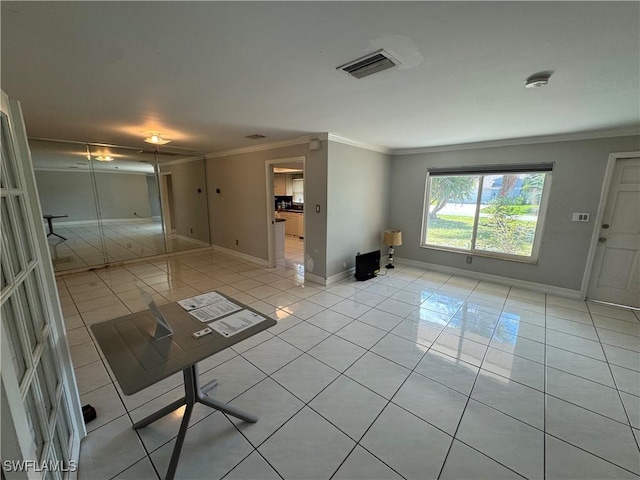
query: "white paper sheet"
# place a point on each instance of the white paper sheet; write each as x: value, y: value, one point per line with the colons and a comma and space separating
x: 215, y: 310
x: 200, y: 301
x: 236, y: 323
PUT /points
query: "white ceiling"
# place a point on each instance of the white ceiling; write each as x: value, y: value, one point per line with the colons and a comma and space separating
x: 206, y: 74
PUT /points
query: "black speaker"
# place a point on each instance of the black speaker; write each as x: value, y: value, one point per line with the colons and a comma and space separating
x: 367, y: 265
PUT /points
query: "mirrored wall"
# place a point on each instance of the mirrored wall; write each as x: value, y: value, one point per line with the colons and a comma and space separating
x: 105, y: 204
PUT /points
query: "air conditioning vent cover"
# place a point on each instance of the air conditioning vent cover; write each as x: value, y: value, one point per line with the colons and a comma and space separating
x: 369, y: 64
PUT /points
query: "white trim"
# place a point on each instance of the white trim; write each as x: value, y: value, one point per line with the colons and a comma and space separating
x: 334, y: 137
x: 192, y: 240
x: 567, y: 137
x: 604, y: 193
x: 338, y: 277
x: 96, y: 221
x: 512, y: 282
x: 241, y: 256
x: 264, y: 146
x: 315, y: 279
x: 332, y: 280
x: 179, y: 161
x: 88, y: 170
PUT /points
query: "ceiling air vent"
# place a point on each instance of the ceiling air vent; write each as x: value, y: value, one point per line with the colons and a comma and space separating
x: 255, y: 136
x: 369, y: 64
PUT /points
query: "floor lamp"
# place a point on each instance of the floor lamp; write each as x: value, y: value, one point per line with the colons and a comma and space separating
x: 392, y: 238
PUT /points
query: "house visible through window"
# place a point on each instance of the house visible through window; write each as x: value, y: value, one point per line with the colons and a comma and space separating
x: 487, y: 211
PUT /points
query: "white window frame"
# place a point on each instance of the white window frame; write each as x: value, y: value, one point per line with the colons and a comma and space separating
x: 537, y: 240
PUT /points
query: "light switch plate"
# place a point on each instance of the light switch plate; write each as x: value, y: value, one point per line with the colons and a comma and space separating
x: 580, y: 217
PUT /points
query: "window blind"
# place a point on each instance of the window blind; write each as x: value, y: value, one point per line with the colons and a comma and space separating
x: 491, y: 169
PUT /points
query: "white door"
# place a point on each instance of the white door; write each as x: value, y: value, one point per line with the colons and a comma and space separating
x: 616, y: 269
x: 41, y: 414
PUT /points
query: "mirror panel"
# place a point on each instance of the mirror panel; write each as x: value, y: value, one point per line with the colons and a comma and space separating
x: 66, y: 191
x: 113, y: 204
x: 128, y: 203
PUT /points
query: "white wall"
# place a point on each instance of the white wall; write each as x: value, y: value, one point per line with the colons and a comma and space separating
x: 577, y: 181
x: 357, y: 204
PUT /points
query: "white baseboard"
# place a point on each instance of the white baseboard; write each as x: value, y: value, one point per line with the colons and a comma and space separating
x: 333, y: 279
x: 73, y: 223
x: 193, y: 240
x: 513, y: 282
x: 315, y: 279
x: 241, y: 256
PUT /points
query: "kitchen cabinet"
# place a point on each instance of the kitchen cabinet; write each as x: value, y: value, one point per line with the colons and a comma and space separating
x: 294, y: 224
x: 279, y: 185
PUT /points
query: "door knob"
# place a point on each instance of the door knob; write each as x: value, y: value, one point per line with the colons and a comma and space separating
x: 602, y: 239
x: 605, y: 225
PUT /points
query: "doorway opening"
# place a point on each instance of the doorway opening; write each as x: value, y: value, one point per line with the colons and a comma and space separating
x: 286, y: 215
x: 166, y: 201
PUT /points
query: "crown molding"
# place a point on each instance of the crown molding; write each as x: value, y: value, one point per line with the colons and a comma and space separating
x: 179, y: 161
x: 335, y: 137
x: 567, y: 137
x: 86, y: 170
x: 267, y: 146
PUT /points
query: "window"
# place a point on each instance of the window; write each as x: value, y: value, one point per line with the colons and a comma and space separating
x: 298, y: 190
x: 487, y: 211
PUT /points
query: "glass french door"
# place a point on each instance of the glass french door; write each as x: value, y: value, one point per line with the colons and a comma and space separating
x: 41, y: 415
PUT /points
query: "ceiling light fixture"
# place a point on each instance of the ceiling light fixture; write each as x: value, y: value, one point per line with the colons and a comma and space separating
x: 105, y: 158
x: 156, y: 139
x: 538, y: 80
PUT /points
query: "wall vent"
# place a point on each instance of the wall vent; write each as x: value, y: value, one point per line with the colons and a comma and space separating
x: 369, y: 64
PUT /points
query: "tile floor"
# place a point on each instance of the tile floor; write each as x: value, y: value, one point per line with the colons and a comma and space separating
x: 416, y: 374
x: 293, y: 251
x: 89, y: 245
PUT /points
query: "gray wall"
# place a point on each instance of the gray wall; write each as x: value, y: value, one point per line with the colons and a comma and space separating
x: 577, y: 182
x: 239, y: 211
x: 190, y: 216
x: 357, y: 204
x: 71, y: 193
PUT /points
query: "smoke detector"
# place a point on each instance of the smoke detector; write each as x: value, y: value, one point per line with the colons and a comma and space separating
x: 538, y: 80
x: 369, y: 64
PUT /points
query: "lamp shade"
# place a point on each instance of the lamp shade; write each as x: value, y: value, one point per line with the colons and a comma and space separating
x: 392, y: 238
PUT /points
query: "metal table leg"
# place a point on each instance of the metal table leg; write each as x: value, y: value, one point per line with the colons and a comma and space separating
x: 50, y: 222
x: 194, y: 393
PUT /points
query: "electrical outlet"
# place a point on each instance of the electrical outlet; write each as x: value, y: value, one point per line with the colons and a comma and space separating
x: 469, y: 259
x: 191, y: 230
x: 580, y: 217
x: 237, y: 242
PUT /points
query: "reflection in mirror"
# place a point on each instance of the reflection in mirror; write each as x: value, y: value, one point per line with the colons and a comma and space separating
x: 67, y: 198
x: 128, y: 202
x: 183, y: 197
x: 104, y: 203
